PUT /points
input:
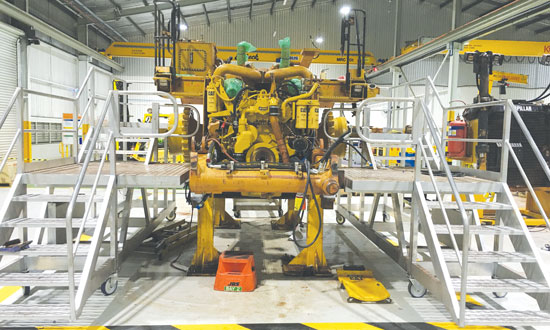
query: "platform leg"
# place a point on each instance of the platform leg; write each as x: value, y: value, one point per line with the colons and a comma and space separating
x: 311, y: 260
x: 205, y: 260
x: 288, y: 220
x: 222, y: 219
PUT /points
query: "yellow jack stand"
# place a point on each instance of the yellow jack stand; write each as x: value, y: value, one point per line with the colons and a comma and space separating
x: 362, y: 287
x: 205, y: 260
x: 311, y: 260
x: 222, y: 219
x: 288, y: 220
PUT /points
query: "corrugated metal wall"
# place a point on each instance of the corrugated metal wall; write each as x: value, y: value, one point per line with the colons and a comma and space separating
x: 8, y: 77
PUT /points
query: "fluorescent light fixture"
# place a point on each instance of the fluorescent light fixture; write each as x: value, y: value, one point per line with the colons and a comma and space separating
x: 183, y: 26
x: 319, y: 40
x: 345, y: 10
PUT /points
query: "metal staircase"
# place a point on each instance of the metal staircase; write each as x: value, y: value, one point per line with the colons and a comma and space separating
x: 454, y: 235
x: 57, y: 256
x: 76, y: 223
x: 461, y: 255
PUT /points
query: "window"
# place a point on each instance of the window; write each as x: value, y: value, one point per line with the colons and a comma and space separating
x: 49, y: 133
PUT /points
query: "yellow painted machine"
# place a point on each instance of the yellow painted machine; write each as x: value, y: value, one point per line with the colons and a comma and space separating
x: 259, y: 138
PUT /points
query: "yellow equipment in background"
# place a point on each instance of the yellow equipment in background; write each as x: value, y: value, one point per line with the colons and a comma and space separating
x: 362, y: 287
x: 259, y: 138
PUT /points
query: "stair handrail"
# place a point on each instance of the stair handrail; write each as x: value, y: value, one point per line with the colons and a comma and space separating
x: 363, y: 106
x: 466, y: 232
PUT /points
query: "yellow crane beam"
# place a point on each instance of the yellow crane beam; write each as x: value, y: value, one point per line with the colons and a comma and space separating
x: 136, y: 49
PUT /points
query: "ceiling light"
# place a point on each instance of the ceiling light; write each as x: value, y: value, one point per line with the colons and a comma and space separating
x: 345, y: 10
x: 183, y: 26
x: 319, y: 40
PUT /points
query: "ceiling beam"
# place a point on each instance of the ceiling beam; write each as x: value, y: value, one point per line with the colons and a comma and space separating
x: 39, y: 25
x: 206, y: 14
x: 272, y: 7
x: 293, y: 5
x: 497, y: 6
x: 544, y: 29
x: 117, y: 6
x: 497, y: 20
x: 111, y: 15
x: 445, y: 4
x: 470, y: 6
x: 250, y: 10
x: 532, y: 21
x: 228, y: 11
x: 313, y: 3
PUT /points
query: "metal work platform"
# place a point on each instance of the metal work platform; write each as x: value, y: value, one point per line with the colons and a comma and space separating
x: 438, y: 235
x: 129, y: 174
x: 81, y: 229
x: 401, y: 180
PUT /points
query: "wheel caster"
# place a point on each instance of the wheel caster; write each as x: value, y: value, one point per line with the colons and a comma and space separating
x: 26, y: 290
x: 109, y: 286
x: 340, y: 219
x: 172, y: 215
x: 385, y: 217
x: 236, y: 214
x: 353, y: 300
x: 280, y: 211
x: 500, y: 294
x: 387, y: 301
x: 415, y: 292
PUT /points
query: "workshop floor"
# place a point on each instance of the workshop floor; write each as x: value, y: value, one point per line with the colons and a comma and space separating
x: 153, y: 293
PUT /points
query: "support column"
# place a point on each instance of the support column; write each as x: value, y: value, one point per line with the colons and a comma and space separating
x: 222, y: 219
x: 205, y: 260
x: 288, y: 220
x: 311, y: 260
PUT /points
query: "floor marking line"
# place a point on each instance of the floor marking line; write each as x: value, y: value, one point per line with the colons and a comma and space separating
x: 342, y: 326
x: 210, y: 327
x: 89, y: 327
x: 8, y: 291
x: 454, y: 326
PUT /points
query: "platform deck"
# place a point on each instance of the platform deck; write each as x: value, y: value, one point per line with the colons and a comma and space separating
x: 400, y: 180
x: 129, y: 174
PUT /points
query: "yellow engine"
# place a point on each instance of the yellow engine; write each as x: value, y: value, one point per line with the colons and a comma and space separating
x: 254, y: 120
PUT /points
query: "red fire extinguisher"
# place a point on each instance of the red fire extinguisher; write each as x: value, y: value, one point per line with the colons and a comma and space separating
x: 457, y: 130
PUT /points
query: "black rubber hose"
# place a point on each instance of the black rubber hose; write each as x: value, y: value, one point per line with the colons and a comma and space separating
x: 320, y: 230
x: 333, y: 146
x: 542, y: 96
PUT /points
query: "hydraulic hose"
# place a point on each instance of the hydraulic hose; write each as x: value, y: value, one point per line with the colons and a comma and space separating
x: 320, y: 229
x: 276, y: 128
x: 299, y: 97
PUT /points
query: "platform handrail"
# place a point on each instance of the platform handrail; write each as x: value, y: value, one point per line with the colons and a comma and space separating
x: 361, y: 109
x: 10, y: 148
x: 458, y: 200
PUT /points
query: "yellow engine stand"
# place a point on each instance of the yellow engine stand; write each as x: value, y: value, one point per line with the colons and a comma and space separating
x: 222, y: 219
x: 288, y: 220
x: 205, y: 260
x: 311, y: 260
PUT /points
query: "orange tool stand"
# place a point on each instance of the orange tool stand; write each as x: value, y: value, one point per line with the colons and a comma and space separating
x: 236, y: 272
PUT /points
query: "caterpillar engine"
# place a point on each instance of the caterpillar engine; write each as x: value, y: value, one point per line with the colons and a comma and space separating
x: 255, y: 119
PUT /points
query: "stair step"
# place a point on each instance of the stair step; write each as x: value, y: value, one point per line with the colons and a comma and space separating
x: 46, y: 222
x: 54, y: 198
x: 470, y: 205
x: 487, y: 257
x: 479, y: 230
x: 506, y: 317
x: 37, y: 279
x: 131, y: 152
x: 41, y: 312
x: 50, y: 250
x: 501, y: 285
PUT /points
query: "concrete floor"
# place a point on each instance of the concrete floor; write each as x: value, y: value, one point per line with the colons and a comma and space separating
x: 152, y: 293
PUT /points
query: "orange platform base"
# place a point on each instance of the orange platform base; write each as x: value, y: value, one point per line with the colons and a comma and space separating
x: 236, y: 272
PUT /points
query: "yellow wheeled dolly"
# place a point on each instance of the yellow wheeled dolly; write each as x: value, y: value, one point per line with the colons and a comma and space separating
x: 361, y: 286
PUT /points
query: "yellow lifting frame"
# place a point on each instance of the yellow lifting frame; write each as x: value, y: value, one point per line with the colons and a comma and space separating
x: 137, y: 49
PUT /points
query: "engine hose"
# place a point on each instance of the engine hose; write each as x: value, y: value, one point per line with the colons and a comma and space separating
x: 320, y: 229
x: 281, y: 145
x: 341, y: 139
